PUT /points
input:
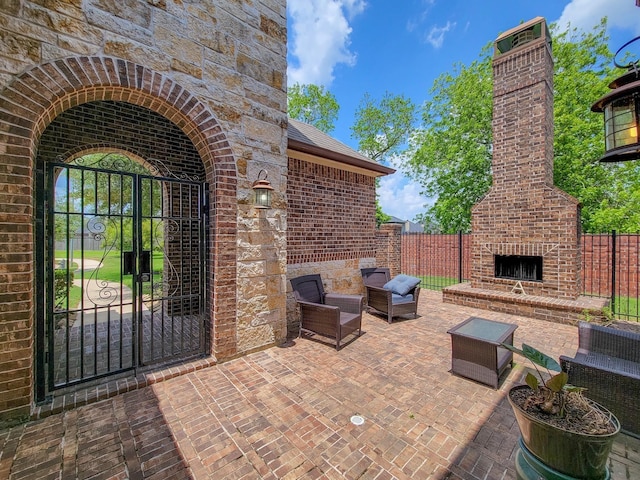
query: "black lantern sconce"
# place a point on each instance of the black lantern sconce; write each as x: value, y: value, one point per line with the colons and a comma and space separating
x: 262, y: 190
x: 621, y: 109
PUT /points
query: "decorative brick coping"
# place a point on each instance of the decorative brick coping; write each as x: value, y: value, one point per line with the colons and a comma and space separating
x: 543, y: 308
x: 95, y: 393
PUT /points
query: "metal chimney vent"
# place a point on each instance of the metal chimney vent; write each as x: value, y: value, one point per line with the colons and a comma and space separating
x: 521, y: 35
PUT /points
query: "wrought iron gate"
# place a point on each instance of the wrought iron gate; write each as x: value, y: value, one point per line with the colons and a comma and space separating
x: 125, y: 273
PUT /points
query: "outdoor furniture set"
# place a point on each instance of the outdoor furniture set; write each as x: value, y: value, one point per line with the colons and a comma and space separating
x: 331, y: 315
x: 336, y: 316
x: 476, y: 350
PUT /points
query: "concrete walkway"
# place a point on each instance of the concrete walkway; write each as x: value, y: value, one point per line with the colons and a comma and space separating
x: 284, y: 413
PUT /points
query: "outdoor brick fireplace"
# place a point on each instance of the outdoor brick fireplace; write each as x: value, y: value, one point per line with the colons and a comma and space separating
x: 525, y: 252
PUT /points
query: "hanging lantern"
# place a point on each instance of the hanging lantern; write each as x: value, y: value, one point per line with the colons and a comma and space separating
x: 262, y: 190
x: 621, y: 109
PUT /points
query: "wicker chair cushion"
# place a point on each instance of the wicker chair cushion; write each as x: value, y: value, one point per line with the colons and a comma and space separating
x: 398, y: 299
x: 402, y: 284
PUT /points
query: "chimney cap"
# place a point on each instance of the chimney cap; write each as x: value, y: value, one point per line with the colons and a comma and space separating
x: 522, y: 34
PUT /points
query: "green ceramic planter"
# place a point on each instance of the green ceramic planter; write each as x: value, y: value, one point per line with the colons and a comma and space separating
x: 576, y: 455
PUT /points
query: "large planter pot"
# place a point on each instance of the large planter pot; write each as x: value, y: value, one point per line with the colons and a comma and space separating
x: 576, y: 455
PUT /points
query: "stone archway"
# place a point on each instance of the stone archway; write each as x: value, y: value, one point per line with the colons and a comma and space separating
x: 29, y: 105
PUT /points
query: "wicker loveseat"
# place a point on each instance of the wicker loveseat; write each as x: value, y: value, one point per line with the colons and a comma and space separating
x: 607, y: 364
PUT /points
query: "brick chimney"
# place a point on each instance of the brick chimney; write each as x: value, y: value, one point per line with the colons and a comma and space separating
x: 525, y: 231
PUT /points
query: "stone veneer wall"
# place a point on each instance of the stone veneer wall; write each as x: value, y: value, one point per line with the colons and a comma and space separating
x: 216, y: 70
x: 330, y: 228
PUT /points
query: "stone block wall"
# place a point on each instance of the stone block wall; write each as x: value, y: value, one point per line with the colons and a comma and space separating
x: 216, y: 70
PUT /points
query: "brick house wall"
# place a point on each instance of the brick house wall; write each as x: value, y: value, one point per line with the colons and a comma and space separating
x: 330, y: 213
x: 216, y: 72
x: 330, y: 227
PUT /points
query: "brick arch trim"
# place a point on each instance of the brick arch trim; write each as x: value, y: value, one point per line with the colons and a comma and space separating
x: 34, y: 99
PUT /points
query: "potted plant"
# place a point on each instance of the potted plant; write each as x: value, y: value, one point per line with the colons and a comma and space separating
x: 565, y: 435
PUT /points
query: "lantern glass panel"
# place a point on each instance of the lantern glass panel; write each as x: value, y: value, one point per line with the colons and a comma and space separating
x: 620, y: 123
x: 263, y: 198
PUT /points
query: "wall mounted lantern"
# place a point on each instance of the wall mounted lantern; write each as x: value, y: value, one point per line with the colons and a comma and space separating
x: 262, y: 190
x: 621, y: 109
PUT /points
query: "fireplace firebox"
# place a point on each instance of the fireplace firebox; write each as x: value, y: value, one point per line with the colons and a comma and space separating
x: 519, y: 267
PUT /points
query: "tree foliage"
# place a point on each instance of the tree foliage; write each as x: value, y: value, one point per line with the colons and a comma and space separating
x: 383, y: 127
x: 314, y: 105
x: 608, y: 192
x: 101, y: 202
x: 451, y: 153
x: 381, y: 217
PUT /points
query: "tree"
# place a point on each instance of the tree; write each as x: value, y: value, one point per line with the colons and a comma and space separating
x: 382, y: 128
x: 381, y: 217
x: 101, y: 202
x: 451, y: 153
x: 583, y: 68
x: 314, y: 105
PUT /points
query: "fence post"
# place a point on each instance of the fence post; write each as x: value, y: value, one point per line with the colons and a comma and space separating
x: 613, y: 271
x: 460, y: 255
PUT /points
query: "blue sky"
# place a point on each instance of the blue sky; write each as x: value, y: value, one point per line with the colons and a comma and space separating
x: 353, y: 47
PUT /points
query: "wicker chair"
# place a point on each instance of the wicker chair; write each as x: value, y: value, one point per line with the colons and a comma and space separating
x: 330, y: 315
x: 607, y: 364
x: 385, y: 301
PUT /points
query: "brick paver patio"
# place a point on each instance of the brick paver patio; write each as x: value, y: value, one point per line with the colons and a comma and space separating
x: 284, y: 413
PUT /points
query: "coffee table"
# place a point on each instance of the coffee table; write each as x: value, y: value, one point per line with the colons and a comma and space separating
x: 476, y: 352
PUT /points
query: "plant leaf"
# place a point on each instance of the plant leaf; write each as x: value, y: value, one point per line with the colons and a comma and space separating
x: 557, y: 382
x: 532, y: 381
x: 513, y: 349
x: 539, y: 358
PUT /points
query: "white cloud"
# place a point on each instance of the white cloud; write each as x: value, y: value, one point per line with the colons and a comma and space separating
x: 319, y: 38
x: 436, y: 35
x: 400, y: 197
x: 584, y: 14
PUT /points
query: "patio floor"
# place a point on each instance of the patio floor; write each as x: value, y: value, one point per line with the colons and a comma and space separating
x: 284, y: 413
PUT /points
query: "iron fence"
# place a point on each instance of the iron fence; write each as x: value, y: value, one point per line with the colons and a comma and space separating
x: 610, y: 265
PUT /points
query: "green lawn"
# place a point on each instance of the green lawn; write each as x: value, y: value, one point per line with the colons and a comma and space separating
x: 433, y: 282
x: 110, y: 270
x: 627, y: 309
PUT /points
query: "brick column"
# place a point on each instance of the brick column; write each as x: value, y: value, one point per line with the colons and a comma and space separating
x: 389, y: 247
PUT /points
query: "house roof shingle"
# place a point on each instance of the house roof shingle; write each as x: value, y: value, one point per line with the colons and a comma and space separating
x: 308, y: 139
